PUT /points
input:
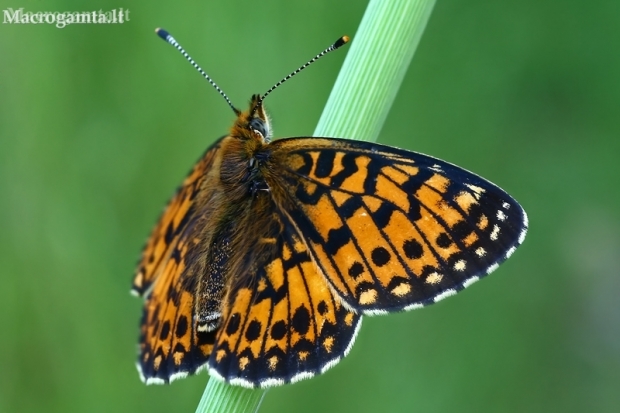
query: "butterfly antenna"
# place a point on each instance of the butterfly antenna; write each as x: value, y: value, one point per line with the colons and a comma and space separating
x: 340, y: 42
x: 168, y: 38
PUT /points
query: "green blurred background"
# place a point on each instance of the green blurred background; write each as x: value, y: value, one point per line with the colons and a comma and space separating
x: 99, y: 124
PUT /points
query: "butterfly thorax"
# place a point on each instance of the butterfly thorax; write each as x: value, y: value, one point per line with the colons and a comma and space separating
x: 236, y: 204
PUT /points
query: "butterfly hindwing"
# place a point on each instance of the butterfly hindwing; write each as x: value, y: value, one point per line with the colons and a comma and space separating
x: 392, y: 229
x: 281, y: 323
x: 171, y: 346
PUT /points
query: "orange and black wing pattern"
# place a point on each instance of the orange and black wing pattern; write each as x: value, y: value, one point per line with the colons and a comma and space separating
x: 170, y: 345
x: 392, y: 229
x: 264, y: 262
x: 281, y: 322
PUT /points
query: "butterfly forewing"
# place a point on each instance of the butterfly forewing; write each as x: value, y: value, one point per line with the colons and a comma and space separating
x: 392, y: 229
x: 173, y: 221
x: 281, y: 323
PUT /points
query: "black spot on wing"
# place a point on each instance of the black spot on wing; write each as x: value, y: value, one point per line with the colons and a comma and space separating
x: 278, y: 330
x: 349, y: 168
x: 324, y: 163
x: 253, y: 330
x: 306, y: 166
x: 165, y: 330
x: 350, y: 206
x: 172, y: 231
x: 233, y: 325
x: 461, y: 230
x: 181, y: 327
x: 356, y: 270
x: 305, y: 197
x: 373, y: 169
x: 179, y: 348
x: 337, y: 238
x: 415, y: 182
x: 380, y: 256
x: 301, y: 320
x: 413, y: 249
x: 383, y: 214
x: 443, y: 240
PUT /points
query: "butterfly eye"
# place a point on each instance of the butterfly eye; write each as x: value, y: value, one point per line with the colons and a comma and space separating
x: 258, y: 126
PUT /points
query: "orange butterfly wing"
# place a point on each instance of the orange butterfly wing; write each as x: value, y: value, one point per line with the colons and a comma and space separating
x: 170, y: 345
x: 263, y: 262
x: 392, y: 229
x: 281, y: 322
x: 172, y: 222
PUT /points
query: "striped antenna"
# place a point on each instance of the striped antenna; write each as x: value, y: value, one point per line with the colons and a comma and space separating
x: 340, y: 42
x: 166, y: 36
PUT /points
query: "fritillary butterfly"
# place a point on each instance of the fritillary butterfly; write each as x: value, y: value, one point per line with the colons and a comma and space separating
x: 268, y: 255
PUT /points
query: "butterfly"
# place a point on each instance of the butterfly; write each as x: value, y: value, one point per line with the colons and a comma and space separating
x: 267, y: 257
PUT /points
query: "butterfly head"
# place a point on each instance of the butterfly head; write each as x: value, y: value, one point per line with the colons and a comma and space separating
x: 253, y: 123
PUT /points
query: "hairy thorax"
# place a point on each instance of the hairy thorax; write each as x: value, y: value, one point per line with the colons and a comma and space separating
x: 235, y: 200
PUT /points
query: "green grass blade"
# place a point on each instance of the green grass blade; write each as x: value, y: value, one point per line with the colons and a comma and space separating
x: 374, y: 68
x: 222, y: 397
x: 357, y: 107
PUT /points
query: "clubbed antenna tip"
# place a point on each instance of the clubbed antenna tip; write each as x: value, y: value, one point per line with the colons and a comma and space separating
x: 162, y: 33
x: 341, y: 42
